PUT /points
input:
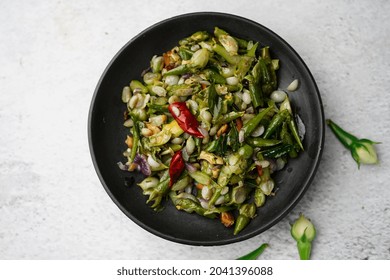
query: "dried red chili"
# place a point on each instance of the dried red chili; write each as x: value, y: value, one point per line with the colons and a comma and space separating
x: 176, y: 167
x: 185, y: 119
x: 259, y: 170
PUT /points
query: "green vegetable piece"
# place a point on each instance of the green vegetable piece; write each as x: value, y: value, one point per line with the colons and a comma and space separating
x: 275, y: 64
x: 136, y: 140
x: 256, y: 73
x: 157, y: 64
x: 242, y: 44
x: 221, y: 145
x: 199, y: 36
x: 255, y: 92
x: 210, y: 157
x: 294, y: 130
x: 259, y: 197
x: 252, y: 51
x: 287, y: 139
x: 232, y: 59
x: 156, y: 108
x: 247, y: 212
x: 255, y: 253
x: 231, y: 116
x: 239, y: 195
x: 304, y: 232
x: 276, y: 121
x: 265, y: 53
x: 199, y: 59
x: 185, y: 54
x: 268, y: 77
x: 232, y: 139
x: 219, y: 32
x: 203, y: 178
x: 191, y: 206
x: 156, y: 194
x: 160, y: 138
x: 277, y: 151
x: 229, y: 43
x: 184, y: 89
x: 135, y: 84
x: 260, y: 142
x: 179, y: 70
x: 212, y: 98
x: 243, y: 66
x: 251, y: 125
x: 245, y: 151
x: 362, y: 150
x: 214, y: 76
x: 182, y: 183
x: 148, y: 182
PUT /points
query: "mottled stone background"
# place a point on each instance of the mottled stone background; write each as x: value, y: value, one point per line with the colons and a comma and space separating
x: 52, y: 53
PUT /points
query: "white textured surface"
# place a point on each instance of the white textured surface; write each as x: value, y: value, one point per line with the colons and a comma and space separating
x: 52, y: 53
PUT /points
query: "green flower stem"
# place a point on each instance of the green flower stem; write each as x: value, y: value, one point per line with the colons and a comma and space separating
x: 362, y: 150
x: 345, y: 138
x: 304, y: 249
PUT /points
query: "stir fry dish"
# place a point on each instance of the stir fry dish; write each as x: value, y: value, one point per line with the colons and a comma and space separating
x: 208, y: 127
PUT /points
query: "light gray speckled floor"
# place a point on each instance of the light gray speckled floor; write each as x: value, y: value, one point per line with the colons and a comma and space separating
x: 52, y: 53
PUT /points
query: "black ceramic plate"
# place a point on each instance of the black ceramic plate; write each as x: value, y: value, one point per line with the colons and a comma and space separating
x: 107, y: 134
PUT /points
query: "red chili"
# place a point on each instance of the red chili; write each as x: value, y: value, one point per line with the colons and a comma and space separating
x: 259, y: 170
x: 185, y: 119
x: 176, y: 167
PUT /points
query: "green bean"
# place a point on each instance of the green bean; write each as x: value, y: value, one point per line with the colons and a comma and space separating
x: 212, y: 97
x: 260, y: 142
x: 251, y: 125
x: 265, y: 53
x: 232, y: 59
x: 278, y: 151
x: 256, y: 73
x: 255, y: 92
x: 227, y: 118
x: 276, y: 121
x: 287, y: 139
x: 136, y: 140
x: 179, y: 70
x: 242, y: 44
x: 294, y: 130
x: 247, y: 212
